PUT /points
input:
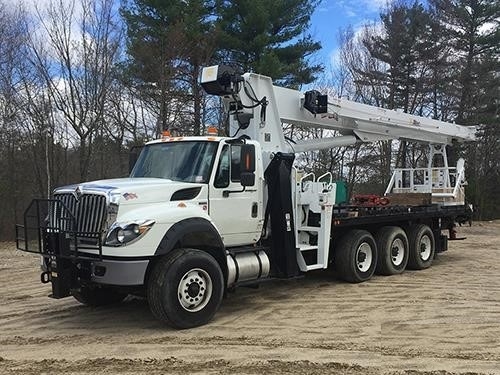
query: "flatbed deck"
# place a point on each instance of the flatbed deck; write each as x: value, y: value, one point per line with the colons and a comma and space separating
x: 345, y: 216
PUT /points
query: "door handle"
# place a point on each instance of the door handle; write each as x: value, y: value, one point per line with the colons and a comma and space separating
x: 255, y: 209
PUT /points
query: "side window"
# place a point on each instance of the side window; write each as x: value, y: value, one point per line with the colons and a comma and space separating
x: 235, y: 163
x: 229, y: 166
x: 222, y: 176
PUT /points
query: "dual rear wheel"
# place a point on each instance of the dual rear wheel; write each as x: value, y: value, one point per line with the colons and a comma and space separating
x: 358, y: 255
x: 393, y: 247
x: 422, y: 247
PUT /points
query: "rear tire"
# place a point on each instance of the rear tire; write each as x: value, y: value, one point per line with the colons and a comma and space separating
x: 98, y: 296
x: 356, y: 256
x: 185, y: 288
x: 392, y: 245
x: 422, y: 247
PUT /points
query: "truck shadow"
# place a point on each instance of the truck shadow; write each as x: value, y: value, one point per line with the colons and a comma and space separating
x: 133, y: 315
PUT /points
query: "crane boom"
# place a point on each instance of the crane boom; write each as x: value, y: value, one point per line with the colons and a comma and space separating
x: 369, y: 123
x: 258, y: 109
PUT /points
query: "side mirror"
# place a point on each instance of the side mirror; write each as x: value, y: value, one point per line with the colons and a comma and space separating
x: 133, y: 156
x: 247, y: 165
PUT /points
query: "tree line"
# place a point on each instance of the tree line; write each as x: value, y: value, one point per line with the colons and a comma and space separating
x: 81, y: 82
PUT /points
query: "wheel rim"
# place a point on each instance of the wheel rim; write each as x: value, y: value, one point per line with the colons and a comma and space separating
x: 364, y: 257
x: 397, y: 252
x: 195, y: 290
x: 425, y: 247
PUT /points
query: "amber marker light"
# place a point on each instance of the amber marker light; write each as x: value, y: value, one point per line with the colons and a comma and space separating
x: 165, y: 135
x: 212, y: 130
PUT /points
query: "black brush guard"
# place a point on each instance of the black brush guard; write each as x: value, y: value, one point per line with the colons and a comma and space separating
x: 49, y: 230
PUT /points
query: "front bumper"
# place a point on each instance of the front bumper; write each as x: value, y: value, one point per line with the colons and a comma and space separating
x: 66, y: 275
x: 71, y: 257
x: 118, y: 272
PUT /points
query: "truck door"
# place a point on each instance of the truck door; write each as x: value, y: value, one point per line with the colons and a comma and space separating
x: 236, y: 212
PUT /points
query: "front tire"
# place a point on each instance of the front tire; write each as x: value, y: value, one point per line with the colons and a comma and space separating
x: 392, y: 245
x: 356, y: 256
x: 185, y: 288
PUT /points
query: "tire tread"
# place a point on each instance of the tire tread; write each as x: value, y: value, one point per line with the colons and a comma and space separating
x: 384, y: 263
x: 164, y: 309
x: 345, y: 251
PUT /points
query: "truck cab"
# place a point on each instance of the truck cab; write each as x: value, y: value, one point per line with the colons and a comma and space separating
x: 213, y: 167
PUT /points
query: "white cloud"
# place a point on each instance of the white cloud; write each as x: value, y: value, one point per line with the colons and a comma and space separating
x: 350, y: 9
x: 326, y: 6
x: 358, y: 28
x: 334, y: 57
x: 374, y: 5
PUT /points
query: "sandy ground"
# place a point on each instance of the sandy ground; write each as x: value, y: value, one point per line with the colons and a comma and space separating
x: 444, y: 320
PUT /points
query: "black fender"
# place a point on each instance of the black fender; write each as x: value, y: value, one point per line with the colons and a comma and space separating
x: 195, y: 233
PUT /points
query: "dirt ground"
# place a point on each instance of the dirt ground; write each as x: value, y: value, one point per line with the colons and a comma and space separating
x: 444, y: 320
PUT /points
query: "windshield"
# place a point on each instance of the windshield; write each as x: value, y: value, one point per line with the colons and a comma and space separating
x: 189, y: 161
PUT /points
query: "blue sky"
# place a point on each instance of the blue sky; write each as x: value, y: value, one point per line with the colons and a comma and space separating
x: 332, y: 15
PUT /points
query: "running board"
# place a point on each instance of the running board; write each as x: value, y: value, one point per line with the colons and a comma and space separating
x: 306, y: 228
x: 313, y: 267
x: 304, y: 267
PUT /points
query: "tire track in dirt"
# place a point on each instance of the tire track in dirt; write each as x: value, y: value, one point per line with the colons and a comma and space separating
x: 176, y: 366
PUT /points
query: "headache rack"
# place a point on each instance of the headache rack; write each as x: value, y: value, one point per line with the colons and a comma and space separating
x: 62, y: 227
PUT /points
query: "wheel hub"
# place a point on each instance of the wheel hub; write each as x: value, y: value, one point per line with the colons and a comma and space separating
x: 195, y: 290
x: 397, y: 252
x: 364, y: 257
x: 425, y: 248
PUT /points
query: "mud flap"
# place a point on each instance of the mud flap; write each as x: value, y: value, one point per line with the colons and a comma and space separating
x: 441, y: 243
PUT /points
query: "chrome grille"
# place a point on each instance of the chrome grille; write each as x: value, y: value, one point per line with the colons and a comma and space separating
x: 86, y: 215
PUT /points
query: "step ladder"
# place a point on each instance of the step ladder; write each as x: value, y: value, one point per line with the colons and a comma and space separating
x: 313, y: 196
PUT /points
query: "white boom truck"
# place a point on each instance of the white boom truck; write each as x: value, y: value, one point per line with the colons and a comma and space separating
x: 201, y: 215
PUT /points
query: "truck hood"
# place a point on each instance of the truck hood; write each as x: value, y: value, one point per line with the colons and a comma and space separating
x: 127, y: 191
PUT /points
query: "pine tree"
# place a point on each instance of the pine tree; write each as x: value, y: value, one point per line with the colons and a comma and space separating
x: 168, y: 43
x: 472, y: 29
x: 407, y: 46
x: 270, y: 38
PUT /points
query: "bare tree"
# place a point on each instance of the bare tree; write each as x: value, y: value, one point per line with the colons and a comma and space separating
x: 361, y: 82
x: 13, y: 182
x: 76, y: 60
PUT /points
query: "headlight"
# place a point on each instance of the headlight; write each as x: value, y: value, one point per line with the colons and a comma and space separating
x: 127, y: 232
